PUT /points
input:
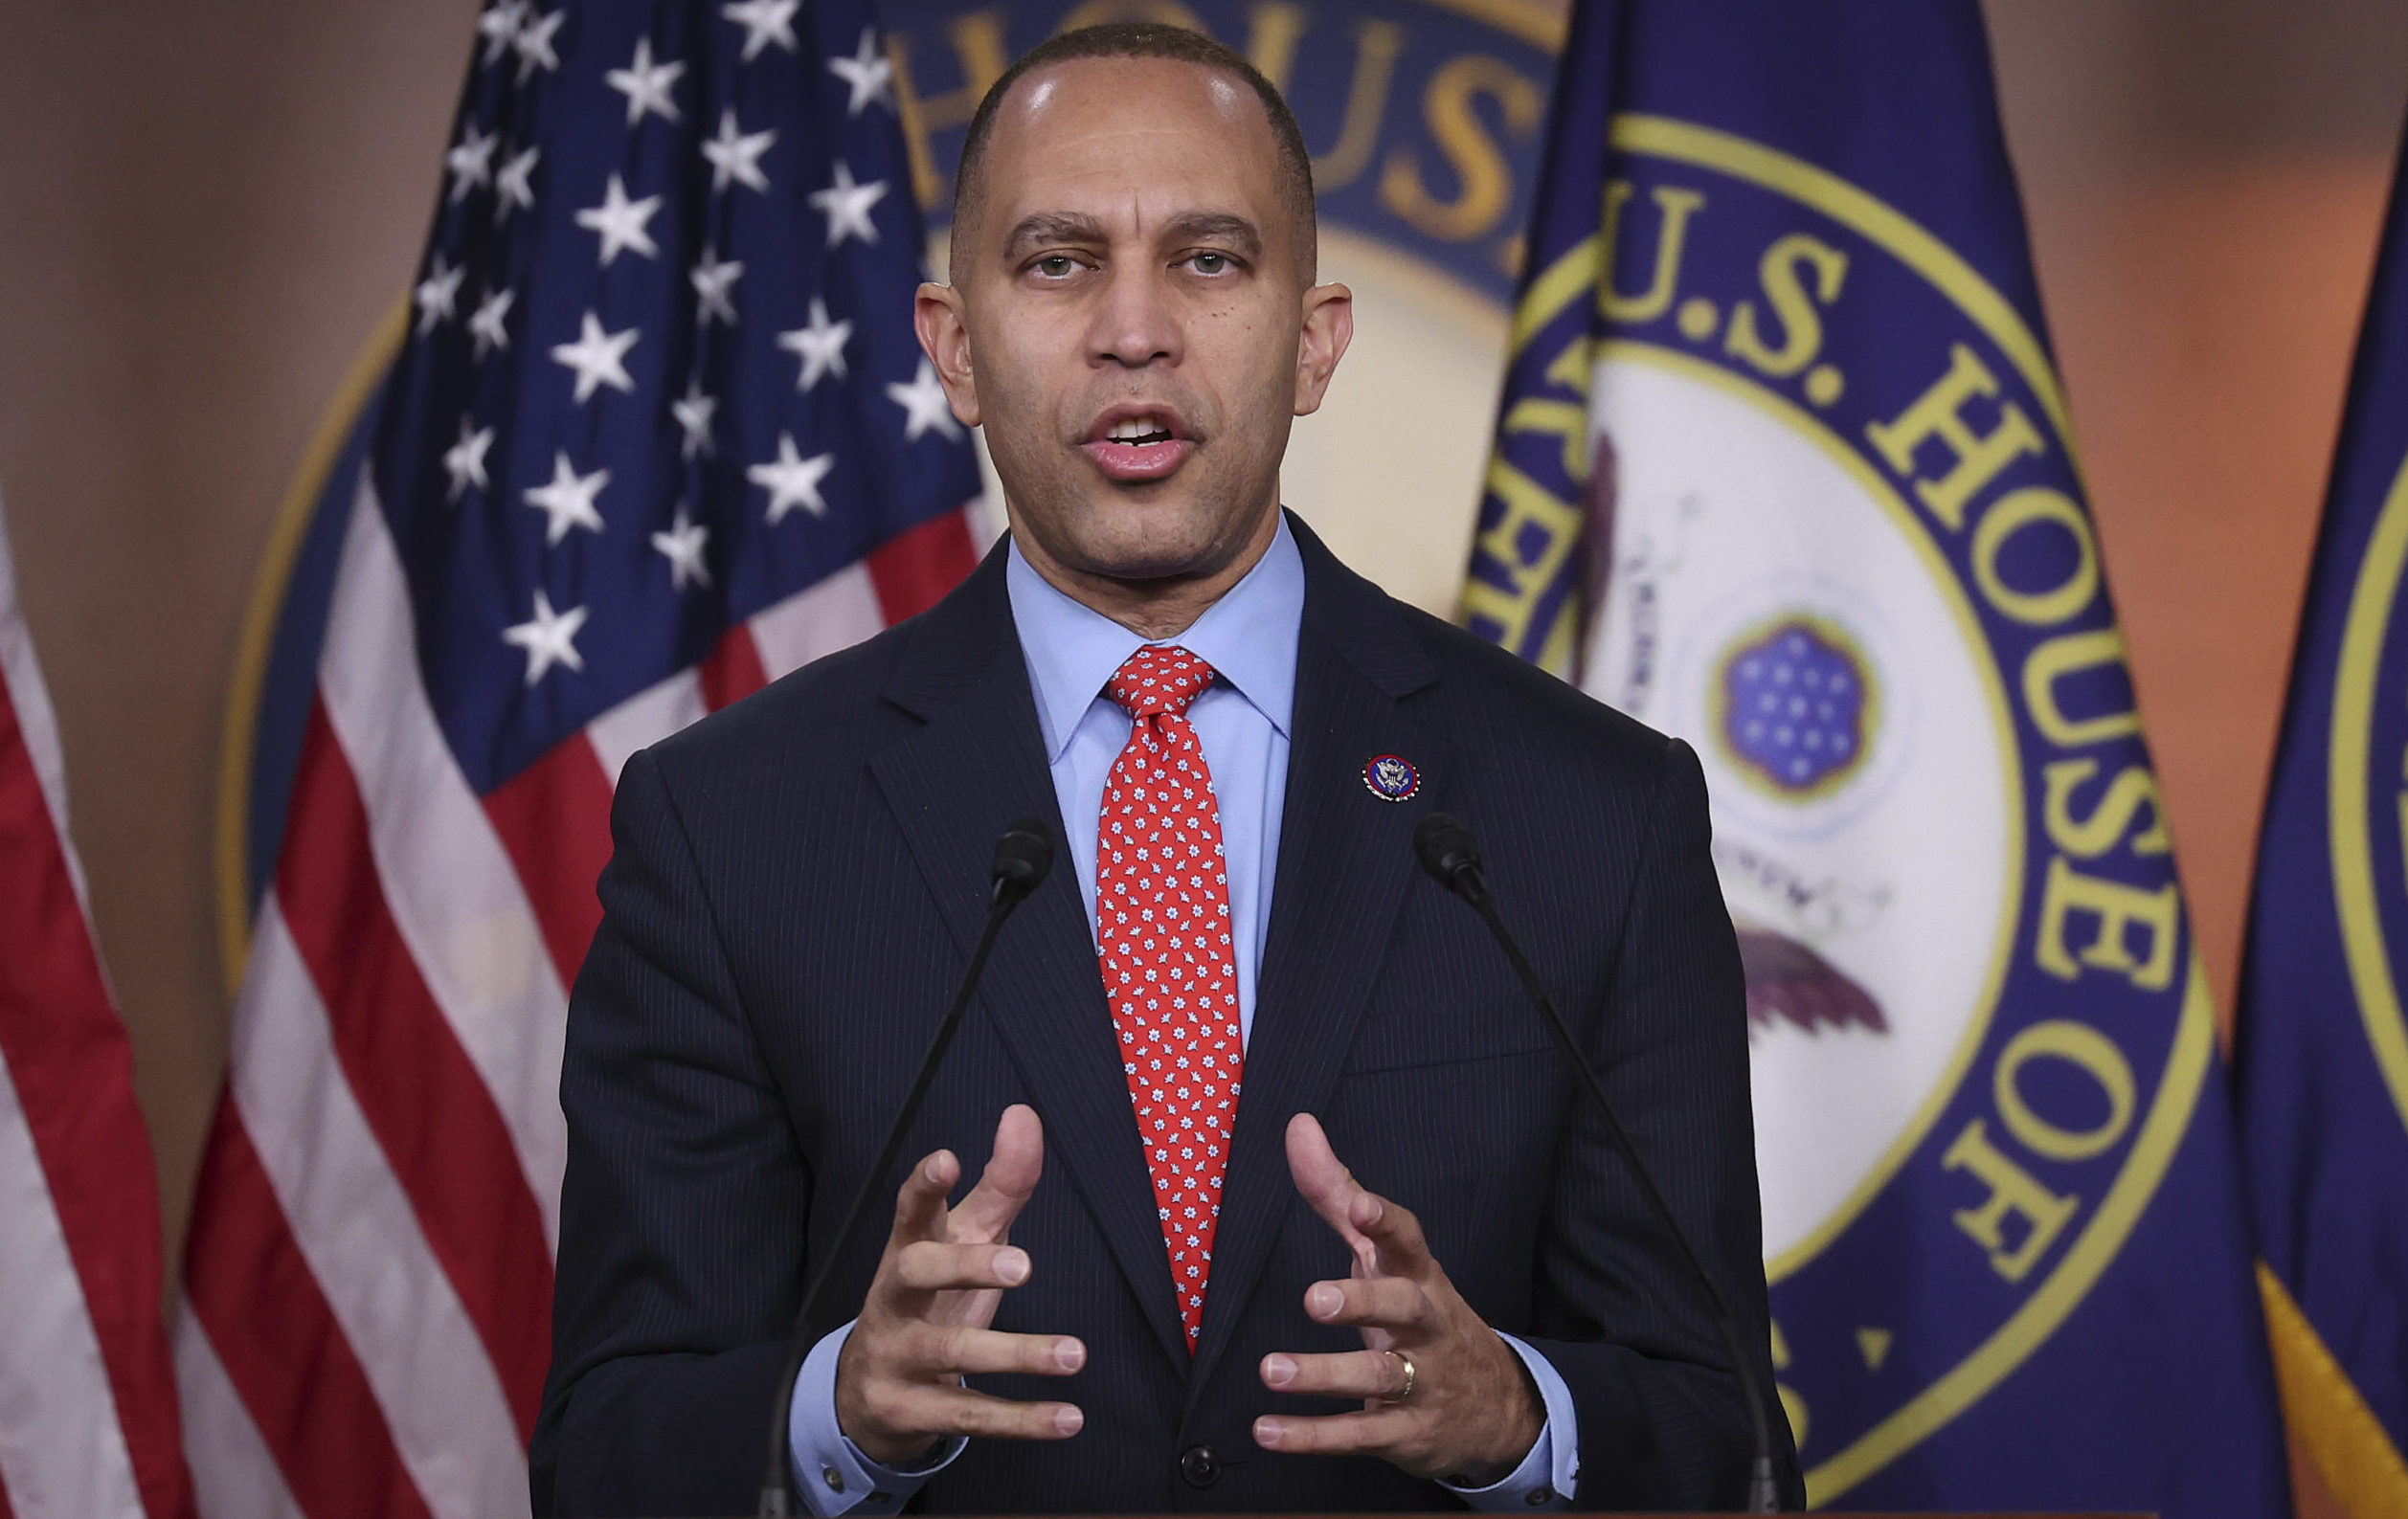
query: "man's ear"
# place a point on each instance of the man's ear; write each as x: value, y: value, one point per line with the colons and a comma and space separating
x: 1328, y: 325
x: 943, y: 325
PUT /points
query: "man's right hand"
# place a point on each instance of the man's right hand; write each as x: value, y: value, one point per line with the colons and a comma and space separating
x: 924, y: 1324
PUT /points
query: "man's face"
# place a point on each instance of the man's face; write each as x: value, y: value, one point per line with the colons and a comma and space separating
x: 1130, y: 319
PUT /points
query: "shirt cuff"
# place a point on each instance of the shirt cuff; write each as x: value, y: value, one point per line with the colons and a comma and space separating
x: 1547, y: 1475
x: 831, y: 1473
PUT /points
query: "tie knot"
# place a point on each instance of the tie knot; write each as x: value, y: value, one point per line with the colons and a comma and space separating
x: 1158, y: 678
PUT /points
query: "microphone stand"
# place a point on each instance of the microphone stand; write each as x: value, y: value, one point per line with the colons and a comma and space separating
x: 1022, y: 858
x: 1446, y: 850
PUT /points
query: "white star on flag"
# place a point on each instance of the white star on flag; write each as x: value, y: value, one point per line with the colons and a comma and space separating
x: 646, y: 84
x: 485, y: 324
x: 693, y: 416
x: 736, y: 156
x: 622, y: 222
x: 464, y: 461
x: 436, y: 293
x: 764, y: 22
x: 821, y: 346
x: 512, y: 186
x: 499, y: 27
x: 470, y: 162
x: 599, y: 358
x: 924, y: 405
x: 533, y: 43
x: 792, y: 481
x: 847, y: 206
x: 681, y: 546
x: 549, y: 638
x: 568, y: 499
x: 715, y: 288
x: 869, y: 73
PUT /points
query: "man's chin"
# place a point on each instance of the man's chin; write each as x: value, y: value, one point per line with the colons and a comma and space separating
x: 1162, y: 550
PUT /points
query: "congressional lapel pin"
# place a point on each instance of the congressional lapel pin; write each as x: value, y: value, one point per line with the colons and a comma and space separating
x: 1391, y: 779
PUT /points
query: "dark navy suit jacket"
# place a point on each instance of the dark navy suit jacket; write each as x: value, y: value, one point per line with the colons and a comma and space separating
x: 795, y: 885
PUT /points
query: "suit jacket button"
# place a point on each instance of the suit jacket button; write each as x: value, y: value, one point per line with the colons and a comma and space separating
x: 1198, y: 1465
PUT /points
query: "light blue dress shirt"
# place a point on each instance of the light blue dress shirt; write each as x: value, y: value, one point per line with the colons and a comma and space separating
x: 1242, y: 720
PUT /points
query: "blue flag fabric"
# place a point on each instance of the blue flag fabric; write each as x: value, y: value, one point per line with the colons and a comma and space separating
x: 666, y: 301
x: 1783, y: 467
x: 2323, y: 1046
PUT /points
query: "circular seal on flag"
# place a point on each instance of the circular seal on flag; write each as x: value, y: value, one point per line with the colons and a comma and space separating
x: 1391, y: 777
x: 1828, y: 530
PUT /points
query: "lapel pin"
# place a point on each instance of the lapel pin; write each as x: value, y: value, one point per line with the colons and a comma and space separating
x: 1391, y: 779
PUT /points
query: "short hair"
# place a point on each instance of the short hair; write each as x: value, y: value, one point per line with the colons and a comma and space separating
x: 1141, y: 39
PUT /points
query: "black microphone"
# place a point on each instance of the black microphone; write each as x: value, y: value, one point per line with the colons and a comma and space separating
x: 1447, y: 851
x: 1023, y: 856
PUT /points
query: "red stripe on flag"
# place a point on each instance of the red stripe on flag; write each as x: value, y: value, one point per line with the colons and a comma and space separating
x: 733, y: 670
x: 277, y: 1336
x: 73, y: 1067
x: 422, y: 1096
x: 913, y: 571
x: 553, y: 820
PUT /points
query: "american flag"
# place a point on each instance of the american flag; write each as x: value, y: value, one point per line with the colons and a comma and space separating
x: 657, y: 433
x: 87, y: 1407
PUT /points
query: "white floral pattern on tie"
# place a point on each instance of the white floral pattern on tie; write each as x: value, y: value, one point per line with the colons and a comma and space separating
x: 1162, y: 920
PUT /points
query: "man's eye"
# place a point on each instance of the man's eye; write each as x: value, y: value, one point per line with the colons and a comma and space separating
x: 1210, y: 264
x: 1054, y: 266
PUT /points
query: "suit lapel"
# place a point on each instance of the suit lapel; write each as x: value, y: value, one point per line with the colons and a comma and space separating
x: 977, y: 764
x: 1345, y: 857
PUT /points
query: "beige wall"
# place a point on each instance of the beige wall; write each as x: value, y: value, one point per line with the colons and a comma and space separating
x: 205, y: 206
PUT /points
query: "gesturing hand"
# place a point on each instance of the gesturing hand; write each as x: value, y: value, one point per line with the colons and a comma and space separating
x: 1464, y: 1410
x: 924, y: 1324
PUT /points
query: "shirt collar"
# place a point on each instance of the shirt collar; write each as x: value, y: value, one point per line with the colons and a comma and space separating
x: 1249, y: 637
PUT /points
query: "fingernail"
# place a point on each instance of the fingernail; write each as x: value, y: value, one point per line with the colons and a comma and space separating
x: 1278, y: 1371
x: 1012, y: 1265
x: 1267, y: 1433
x: 1070, y: 1354
x: 934, y: 1170
x: 1324, y: 1301
x: 1069, y: 1419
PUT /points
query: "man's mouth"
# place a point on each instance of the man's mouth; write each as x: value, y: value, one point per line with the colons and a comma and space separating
x: 1137, y: 444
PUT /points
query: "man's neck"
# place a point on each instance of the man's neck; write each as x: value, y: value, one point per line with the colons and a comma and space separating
x: 1153, y: 609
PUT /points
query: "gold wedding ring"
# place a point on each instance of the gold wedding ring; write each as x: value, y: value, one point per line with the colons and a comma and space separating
x: 1407, y: 1362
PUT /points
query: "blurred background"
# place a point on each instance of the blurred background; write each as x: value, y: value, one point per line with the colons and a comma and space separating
x: 208, y: 207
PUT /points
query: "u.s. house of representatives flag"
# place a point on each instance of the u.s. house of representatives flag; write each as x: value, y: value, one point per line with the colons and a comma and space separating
x: 654, y: 429
x: 2323, y: 1042
x: 1783, y: 467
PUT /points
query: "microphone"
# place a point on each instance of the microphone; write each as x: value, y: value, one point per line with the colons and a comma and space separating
x: 1447, y: 851
x: 1023, y: 856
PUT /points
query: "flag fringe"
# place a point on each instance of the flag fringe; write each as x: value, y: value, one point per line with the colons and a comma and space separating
x: 235, y: 902
x: 2327, y: 1417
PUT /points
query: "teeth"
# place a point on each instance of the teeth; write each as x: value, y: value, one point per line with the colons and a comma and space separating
x: 1133, y: 428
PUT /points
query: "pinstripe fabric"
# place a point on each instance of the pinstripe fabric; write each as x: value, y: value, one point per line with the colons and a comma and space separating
x: 794, y: 885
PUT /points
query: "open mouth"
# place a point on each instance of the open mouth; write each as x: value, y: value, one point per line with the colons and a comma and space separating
x: 1137, y: 444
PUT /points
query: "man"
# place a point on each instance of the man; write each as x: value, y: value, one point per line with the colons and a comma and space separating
x: 1165, y: 1290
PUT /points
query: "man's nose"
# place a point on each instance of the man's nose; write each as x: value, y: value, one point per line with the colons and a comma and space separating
x: 1135, y: 323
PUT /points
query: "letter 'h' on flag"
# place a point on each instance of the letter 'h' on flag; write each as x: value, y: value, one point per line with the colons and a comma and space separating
x: 654, y: 429
x: 1782, y: 468
x: 87, y: 1400
x: 2323, y: 1044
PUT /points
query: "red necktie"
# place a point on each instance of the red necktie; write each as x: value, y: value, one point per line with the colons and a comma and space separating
x: 1163, y: 922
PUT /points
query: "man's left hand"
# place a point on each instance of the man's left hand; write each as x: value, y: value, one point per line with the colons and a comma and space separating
x: 1470, y: 1413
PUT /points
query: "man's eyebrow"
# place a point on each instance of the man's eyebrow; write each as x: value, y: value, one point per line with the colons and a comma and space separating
x: 1054, y: 226
x: 1223, y: 227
